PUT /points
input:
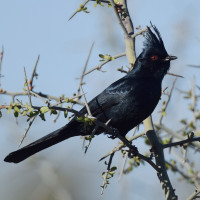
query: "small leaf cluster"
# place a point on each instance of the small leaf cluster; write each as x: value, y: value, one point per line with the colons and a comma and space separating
x: 86, y: 120
x: 133, y: 163
x: 82, y: 8
x: 26, y: 110
x: 99, y: 2
x: 106, y: 57
x: 108, y: 175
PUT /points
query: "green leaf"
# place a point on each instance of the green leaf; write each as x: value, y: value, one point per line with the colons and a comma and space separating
x: 33, y: 113
x: 101, y: 56
x: 191, y: 135
x: 67, y: 100
x: 113, y: 168
x: 16, y: 108
x: 183, y: 121
x: 111, y: 173
x: 54, y: 112
x: 166, y: 141
x: 163, y: 112
x: 24, y: 113
x: 27, y: 105
x: 16, y: 114
x: 108, y: 57
x: 42, y: 117
x: 167, y: 166
x: 44, y: 109
x: 191, y: 125
x: 9, y: 109
x: 80, y: 119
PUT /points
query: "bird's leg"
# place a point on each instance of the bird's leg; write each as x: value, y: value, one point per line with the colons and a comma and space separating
x: 133, y: 151
x: 114, y: 134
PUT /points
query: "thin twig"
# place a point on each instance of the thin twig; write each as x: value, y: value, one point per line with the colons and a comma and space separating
x: 196, y: 66
x: 106, y: 173
x: 26, y: 82
x: 27, y: 129
x: 41, y: 96
x: 34, y: 71
x: 83, y: 4
x: 148, y: 160
x: 122, y: 145
x: 38, y: 96
x: 194, y: 103
x: 172, y: 133
x: 182, y: 142
x: 140, y: 32
x: 1, y: 60
x: 99, y: 66
x: 57, y: 116
x: 125, y: 157
x: 123, y: 166
x: 103, y: 1
x: 175, y: 168
x: 86, y: 104
x: 172, y: 74
x: 168, y: 100
x: 84, y: 68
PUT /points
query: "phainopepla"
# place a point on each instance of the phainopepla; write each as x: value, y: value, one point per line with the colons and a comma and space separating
x: 126, y: 102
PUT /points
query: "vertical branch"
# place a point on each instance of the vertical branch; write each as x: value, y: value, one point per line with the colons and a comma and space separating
x: 127, y: 26
x: 157, y: 148
x: 129, y: 41
x: 1, y: 59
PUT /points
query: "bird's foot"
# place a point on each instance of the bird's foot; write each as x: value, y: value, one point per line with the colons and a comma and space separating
x: 132, y: 152
x: 114, y: 134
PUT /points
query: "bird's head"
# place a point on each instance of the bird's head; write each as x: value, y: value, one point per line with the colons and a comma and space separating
x: 154, y: 59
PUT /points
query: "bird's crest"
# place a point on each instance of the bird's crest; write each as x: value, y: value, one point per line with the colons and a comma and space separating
x: 153, y: 39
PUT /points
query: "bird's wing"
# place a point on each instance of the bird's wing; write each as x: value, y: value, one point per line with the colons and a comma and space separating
x: 110, y: 97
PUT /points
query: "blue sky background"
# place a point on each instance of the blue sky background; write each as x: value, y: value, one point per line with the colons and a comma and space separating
x: 41, y: 27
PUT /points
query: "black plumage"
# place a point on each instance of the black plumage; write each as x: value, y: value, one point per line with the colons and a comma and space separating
x: 127, y: 102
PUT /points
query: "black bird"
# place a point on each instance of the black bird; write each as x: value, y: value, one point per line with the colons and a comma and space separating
x: 126, y: 102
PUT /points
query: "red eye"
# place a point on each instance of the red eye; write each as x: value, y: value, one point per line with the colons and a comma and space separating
x: 154, y: 57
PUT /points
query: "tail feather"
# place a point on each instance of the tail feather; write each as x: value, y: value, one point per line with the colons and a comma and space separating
x: 70, y: 130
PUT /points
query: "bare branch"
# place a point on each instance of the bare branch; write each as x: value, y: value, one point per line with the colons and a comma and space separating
x: 172, y: 74
x: 122, y: 145
x: 195, y: 66
x: 1, y: 60
x: 26, y: 82
x: 34, y: 72
x: 168, y: 100
x: 86, y: 104
x: 27, y: 129
x: 84, y: 68
x: 182, y: 142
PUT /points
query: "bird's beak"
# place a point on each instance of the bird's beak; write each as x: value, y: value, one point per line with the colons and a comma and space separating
x: 168, y: 58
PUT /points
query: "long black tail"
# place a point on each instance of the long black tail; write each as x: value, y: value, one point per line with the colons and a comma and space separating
x: 72, y: 129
